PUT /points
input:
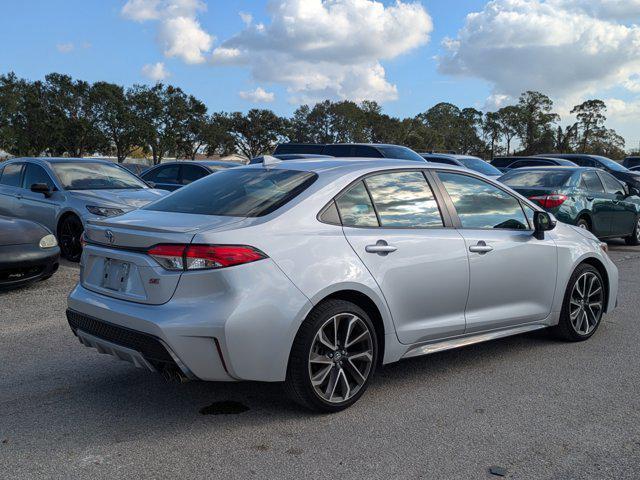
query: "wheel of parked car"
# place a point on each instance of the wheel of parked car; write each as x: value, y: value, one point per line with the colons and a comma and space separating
x: 634, y: 238
x: 333, y: 357
x: 583, y: 305
x: 583, y: 223
x: 69, y: 234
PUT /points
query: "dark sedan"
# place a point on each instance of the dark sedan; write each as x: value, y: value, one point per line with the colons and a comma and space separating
x: 603, y: 163
x: 28, y: 252
x: 588, y: 198
x: 173, y: 175
x: 632, y: 163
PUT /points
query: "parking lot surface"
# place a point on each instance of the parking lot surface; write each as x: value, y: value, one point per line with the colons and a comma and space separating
x: 533, y: 406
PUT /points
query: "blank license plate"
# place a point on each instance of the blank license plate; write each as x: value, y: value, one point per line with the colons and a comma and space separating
x: 115, y: 274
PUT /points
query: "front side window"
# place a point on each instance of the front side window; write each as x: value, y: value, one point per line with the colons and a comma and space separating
x: 11, y: 175
x: 87, y: 175
x: 611, y: 185
x: 166, y: 174
x: 404, y: 200
x: 482, y: 205
x: 36, y: 174
x: 243, y: 192
x: 592, y: 183
x: 355, y: 207
x: 191, y: 173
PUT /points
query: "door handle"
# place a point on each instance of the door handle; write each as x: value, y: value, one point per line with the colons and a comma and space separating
x: 381, y: 248
x: 481, y: 247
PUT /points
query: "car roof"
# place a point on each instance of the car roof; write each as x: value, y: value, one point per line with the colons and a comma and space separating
x: 63, y: 159
x: 453, y: 156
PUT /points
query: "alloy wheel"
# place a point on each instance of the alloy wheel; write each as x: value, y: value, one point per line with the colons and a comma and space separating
x: 70, y: 233
x: 341, y: 358
x: 586, y: 303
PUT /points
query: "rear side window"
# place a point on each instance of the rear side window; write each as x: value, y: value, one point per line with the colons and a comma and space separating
x: 191, y: 173
x: 167, y: 174
x: 481, y: 205
x: 355, y: 207
x: 363, y: 151
x: 592, y: 183
x: 35, y: 174
x: 11, y: 175
x: 242, y: 192
x: 338, y: 150
x: 502, y: 162
x: 404, y: 200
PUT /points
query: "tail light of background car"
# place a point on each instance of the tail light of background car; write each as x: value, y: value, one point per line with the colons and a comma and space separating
x: 203, y: 257
x: 549, y: 201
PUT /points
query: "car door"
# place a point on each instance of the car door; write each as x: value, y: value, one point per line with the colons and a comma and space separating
x: 395, y: 226
x: 625, y: 213
x: 33, y: 205
x: 191, y: 173
x: 601, y: 203
x: 512, y: 274
x: 10, y: 182
x: 165, y: 177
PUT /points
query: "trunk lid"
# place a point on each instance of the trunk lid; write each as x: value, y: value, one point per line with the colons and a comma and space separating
x: 115, y: 262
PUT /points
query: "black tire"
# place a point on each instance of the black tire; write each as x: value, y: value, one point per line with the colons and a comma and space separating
x: 298, y: 383
x: 583, y: 223
x: 566, y: 330
x: 69, y: 233
x: 634, y: 238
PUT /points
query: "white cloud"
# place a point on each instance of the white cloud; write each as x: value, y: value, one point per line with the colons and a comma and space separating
x: 259, y: 95
x: 66, y: 47
x: 328, y: 49
x: 246, y: 18
x: 560, y: 47
x: 180, y: 33
x: 155, y: 71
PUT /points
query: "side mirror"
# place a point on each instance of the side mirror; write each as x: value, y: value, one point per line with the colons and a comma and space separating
x: 542, y: 222
x: 41, y: 188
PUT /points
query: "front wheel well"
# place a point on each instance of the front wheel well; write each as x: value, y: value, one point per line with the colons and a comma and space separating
x: 586, y: 218
x: 598, y: 265
x: 62, y: 218
x: 364, y: 302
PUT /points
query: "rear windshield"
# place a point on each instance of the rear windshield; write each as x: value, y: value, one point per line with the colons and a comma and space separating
x: 401, y: 153
x: 536, y: 178
x: 479, y: 165
x: 242, y: 192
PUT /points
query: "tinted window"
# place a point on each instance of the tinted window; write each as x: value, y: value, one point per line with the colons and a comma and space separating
x: 355, y: 207
x: 402, y: 153
x: 536, y: 178
x: 592, y: 183
x: 530, y: 163
x: 362, y: 151
x: 479, y: 165
x: 502, y: 162
x: 191, y: 173
x: 167, y: 174
x: 481, y: 205
x: 338, y: 150
x: 237, y: 192
x: 443, y: 160
x: 404, y: 199
x: 584, y: 162
x: 36, y: 174
x: 330, y: 214
x: 11, y: 175
x: 299, y: 148
x: 611, y: 185
x: 87, y: 175
x: 610, y: 164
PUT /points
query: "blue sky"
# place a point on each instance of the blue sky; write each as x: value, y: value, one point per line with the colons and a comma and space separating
x: 97, y: 40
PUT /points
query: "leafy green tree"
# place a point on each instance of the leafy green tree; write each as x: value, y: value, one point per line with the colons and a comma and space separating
x: 492, y: 130
x: 257, y: 132
x: 537, y: 121
x: 511, y: 125
x: 217, y: 136
x: 590, y: 125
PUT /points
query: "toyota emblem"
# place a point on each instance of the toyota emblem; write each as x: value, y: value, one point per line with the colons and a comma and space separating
x: 109, y: 235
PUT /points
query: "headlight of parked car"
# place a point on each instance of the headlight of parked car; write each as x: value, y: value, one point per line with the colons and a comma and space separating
x: 104, y: 211
x: 48, y: 241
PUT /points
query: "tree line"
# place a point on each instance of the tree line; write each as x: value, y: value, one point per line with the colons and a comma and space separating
x: 61, y: 116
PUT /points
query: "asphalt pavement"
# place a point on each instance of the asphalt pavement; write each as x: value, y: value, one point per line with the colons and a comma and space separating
x: 528, y: 407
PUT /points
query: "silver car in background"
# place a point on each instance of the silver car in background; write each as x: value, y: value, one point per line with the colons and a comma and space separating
x: 315, y: 272
x: 63, y: 193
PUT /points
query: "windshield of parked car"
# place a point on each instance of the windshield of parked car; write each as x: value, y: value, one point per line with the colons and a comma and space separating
x: 615, y: 166
x: 479, y: 165
x: 87, y: 175
x: 242, y: 192
x: 401, y: 153
x: 536, y: 178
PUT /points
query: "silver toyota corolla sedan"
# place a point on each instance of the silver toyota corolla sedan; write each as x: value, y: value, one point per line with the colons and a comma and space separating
x: 315, y: 272
x: 63, y: 193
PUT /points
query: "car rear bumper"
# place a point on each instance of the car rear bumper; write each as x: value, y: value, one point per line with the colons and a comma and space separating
x: 23, y: 264
x: 242, y: 332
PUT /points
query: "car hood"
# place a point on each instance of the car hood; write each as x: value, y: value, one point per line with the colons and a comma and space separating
x: 129, y: 198
x: 14, y: 231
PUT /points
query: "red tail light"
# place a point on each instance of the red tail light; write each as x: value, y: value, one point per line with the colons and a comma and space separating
x: 550, y: 201
x: 203, y: 257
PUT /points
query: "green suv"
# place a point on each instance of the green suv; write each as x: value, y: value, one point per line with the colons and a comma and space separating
x: 586, y: 197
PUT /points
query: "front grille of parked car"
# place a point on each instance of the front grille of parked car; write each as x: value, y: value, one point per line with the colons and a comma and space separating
x: 19, y: 274
x: 148, y: 345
